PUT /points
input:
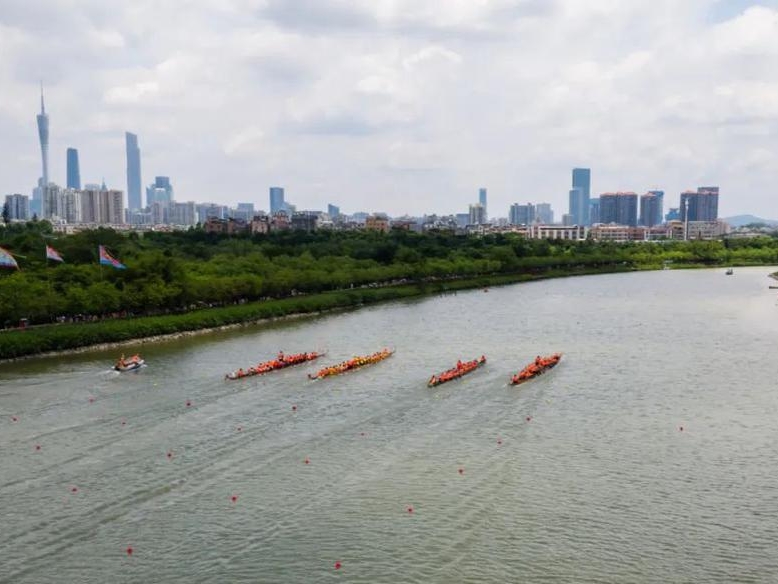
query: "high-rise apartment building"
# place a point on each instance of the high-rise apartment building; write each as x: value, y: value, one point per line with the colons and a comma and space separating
x: 482, y: 201
x: 700, y: 206
x: 650, y: 210
x: 73, y: 171
x: 43, y: 136
x: 582, y: 179
x: 660, y: 195
x: 619, y: 208
x: 521, y: 214
x: 183, y: 213
x: 277, y: 200
x: 134, y: 201
x: 476, y: 215
x: 18, y: 207
x: 333, y: 211
x: 544, y: 213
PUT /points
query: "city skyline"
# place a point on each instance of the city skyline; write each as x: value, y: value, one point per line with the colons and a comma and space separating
x: 397, y: 129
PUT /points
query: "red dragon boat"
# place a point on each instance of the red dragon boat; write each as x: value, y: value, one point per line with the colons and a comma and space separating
x: 539, y: 366
x: 459, y: 370
x: 280, y: 362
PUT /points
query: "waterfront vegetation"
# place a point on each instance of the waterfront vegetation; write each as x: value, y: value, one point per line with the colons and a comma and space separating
x: 190, y: 280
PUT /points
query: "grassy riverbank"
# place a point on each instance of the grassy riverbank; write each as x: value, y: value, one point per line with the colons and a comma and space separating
x: 48, y: 339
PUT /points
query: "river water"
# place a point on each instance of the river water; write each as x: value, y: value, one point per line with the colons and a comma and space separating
x: 650, y: 454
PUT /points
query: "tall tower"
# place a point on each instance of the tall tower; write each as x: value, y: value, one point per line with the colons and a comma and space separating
x: 43, y: 135
x: 74, y: 173
x: 134, y: 202
x: 582, y: 179
x: 482, y: 201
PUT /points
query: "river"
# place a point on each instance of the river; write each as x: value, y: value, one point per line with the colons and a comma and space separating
x: 648, y: 455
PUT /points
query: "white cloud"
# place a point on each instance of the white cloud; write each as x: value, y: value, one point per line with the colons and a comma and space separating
x: 410, y: 103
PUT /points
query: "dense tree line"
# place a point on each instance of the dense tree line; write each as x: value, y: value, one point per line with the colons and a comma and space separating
x: 181, y: 271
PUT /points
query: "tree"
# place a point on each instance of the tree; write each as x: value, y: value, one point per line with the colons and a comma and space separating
x: 6, y: 213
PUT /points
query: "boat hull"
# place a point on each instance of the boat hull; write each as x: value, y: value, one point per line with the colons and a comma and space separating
x: 130, y: 366
x: 260, y: 371
x: 436, y: 379
x: 515, y: 380
x: 336, y: 369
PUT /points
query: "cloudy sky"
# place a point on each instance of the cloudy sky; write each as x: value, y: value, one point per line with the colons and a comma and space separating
x: 398, y: 105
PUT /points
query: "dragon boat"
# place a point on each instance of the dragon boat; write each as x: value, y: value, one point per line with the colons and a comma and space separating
x: 280, y: 362
x: 539, y: 366
x: 351, y: 364
x: 459, y: 370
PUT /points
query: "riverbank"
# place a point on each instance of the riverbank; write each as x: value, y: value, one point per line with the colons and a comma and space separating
x: 58, y: 339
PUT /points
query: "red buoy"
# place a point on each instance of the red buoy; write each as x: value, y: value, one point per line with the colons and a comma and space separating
x: 499, y: 441
x: 234, y: 498
x: 129, y: 550
x: 294, y: 408
x: 74, y: 489
x: 170, y: 454
x: 410, y: 509
x: 307, y: 461
x: 91, y: 400
x: 124, y: 422
x: 529, y: 418
x: 337, y: 565
x: 680, y: 428
x: 188, y: 403
x: 461, y: 471
x: 37, y: 447
x: 14, y: 419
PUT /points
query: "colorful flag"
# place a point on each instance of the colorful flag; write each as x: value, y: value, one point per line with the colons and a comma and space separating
x: 7, y: 260
x: 107, y: 259
x: 53, y: 254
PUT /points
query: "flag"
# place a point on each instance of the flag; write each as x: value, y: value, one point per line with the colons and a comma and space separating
x: 7, y: 260
x: 107, y: 259
x: 53, y: 254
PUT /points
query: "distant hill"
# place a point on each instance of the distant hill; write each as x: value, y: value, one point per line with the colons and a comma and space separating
x: 740, y: 220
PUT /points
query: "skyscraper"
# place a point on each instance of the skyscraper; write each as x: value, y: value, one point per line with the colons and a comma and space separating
x: 134, y: 201
x: 582, y: 179
x: 619, y: 208
x: 277, y: 200
x: 74, y: 173
x: 521, y: 214
x: 576, y: 206
x: 700, y: 206
x: 333, y: 211
x: 43, y: 136
x: 660, y: 195
x: 650, y: 212
x: 160, y: 191
x: 482, y: 201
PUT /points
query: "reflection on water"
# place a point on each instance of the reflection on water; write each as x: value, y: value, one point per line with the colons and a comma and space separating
x: 582, y: 475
